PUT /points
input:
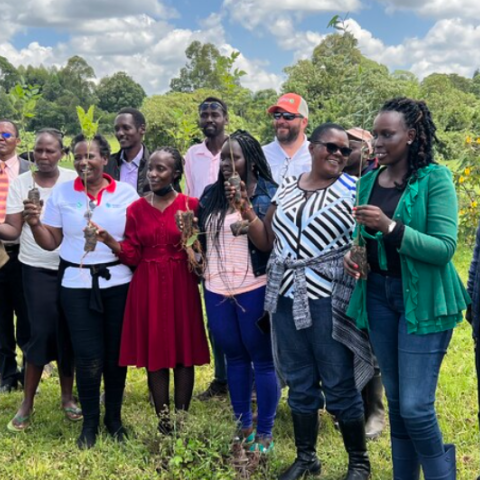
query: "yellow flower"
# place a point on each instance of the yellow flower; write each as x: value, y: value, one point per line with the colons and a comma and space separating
x: 467, y: 171
x: 461, y: 179
x: 468, y: 139
x: 474, y: 204
x: 462, y: 212
x: 478, y: 140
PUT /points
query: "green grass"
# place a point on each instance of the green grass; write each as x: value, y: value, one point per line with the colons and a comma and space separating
x: 199, y: 450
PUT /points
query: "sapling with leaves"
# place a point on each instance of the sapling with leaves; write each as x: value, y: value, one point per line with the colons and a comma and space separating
x: 89, y: 129
x: 358, y: 252
x: 25, y: 98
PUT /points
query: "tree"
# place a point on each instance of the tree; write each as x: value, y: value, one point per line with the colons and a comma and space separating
x: 206, y: 68
x: 8, y: 74
x: 76, y: 78
x: 119, y: 91
x: 199, y: 72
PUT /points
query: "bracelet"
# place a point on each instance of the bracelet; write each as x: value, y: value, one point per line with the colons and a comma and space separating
x: 254, y: 220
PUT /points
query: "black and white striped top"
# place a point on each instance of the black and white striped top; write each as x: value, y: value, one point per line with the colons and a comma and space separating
x: 307, y: 224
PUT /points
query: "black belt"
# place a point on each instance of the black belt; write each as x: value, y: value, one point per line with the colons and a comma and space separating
x: 97, y: 270
x: 12, y: 248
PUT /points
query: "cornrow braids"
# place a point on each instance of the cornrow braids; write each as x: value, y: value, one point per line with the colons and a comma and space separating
x: 216, y: 204
x: 417, y: 116
x: 178, y: 165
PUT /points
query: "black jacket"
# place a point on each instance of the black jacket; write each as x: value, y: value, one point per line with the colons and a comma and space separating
x: 115, y: 162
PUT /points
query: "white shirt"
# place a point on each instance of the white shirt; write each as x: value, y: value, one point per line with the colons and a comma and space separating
x: 201, y: 169
x: 129, y: 170
x: 66, y: 209
x: 282, y: 165
x: 30, y: 253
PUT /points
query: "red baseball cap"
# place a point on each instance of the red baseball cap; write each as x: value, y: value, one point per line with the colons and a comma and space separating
x: 292, y: 103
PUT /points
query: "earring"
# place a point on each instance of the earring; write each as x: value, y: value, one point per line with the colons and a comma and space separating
x: 409, y: 142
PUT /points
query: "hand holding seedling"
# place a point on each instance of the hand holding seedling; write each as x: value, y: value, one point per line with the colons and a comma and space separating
x: 31, y: 212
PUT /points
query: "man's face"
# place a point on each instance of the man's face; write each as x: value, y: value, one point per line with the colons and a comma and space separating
x: 127, y: 133
x: 8, y: 145
x: 212, y: 119
x: 287, y: 131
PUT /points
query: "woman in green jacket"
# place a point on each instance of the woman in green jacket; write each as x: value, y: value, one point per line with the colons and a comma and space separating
x: 412, y: 297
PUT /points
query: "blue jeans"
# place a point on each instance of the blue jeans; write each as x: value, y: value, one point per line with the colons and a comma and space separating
x: 312, y: 361
x: 409, y: 364
x: 233, y: 323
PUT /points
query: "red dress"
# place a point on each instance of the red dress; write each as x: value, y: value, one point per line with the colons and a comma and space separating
x: 163, y: 325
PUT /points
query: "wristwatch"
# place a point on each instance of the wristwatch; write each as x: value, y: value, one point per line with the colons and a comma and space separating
x: 391, y: 227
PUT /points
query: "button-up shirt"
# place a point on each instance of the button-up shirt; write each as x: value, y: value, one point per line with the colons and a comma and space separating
x: 282, y: 165
x: 201, y: 169
x: 129, y: 170
x: 13, y: 168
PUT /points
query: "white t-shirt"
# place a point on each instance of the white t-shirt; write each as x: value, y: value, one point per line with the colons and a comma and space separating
x: 66, y: 209
x: 282, y: 166
x: 30, y: 253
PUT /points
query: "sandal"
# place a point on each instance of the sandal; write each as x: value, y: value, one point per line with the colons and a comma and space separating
x: 263, y: 445
x: 73, y: 413
x: 19, y: 424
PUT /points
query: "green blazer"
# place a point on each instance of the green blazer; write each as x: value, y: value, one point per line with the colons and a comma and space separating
x: 433, y: 293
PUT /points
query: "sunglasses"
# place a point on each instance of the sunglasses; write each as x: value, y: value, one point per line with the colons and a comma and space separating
x: 334, y: 148
x: 286, y: 116
x: 210, y: 105
x: 6, y: 135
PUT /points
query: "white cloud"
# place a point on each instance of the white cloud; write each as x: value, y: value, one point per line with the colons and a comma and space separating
x: 73, y: 14
x: 467, y: 9
x: 257, y: 13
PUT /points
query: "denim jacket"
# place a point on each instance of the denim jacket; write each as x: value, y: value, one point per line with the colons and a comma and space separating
x: 473, y: 288
x: 261, y: 201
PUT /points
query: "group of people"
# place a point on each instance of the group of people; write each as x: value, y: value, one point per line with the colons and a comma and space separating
x: 325, y: 265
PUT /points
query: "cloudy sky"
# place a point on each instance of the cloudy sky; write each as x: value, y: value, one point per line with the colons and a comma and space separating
x: 147, y: 38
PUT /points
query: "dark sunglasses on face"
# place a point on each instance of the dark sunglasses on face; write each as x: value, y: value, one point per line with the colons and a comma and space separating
x: 286, y: 116
x: 6, y: 135
x: 334, y: 148
x: 210, y: 105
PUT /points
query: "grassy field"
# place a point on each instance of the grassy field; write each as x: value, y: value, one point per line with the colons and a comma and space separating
x: 200, y: 448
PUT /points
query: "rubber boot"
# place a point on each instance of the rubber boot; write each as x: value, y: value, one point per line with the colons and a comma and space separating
x: 374, y: 409
x: 88, y: 435
x: 406, y: 465
x: 353, y: 433
x: 305, y: 429
x: 442, y: 467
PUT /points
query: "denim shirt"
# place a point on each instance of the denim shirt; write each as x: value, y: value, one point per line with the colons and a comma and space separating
x: 261, y: 201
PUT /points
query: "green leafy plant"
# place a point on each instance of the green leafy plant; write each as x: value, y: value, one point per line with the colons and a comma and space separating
x: 24, y: 98
x: 89, y: 129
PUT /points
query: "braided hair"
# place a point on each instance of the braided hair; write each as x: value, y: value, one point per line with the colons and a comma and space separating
x: 53, y: 132
x: 216, y: 204
x: 417, y: 116
x: 177, y: 166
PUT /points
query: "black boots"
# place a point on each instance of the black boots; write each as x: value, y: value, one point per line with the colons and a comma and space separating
x: 305, y: 428
x: 374, y: 411
x: 353, y: 433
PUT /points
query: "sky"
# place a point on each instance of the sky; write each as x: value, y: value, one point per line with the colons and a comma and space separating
x: 147, y: 38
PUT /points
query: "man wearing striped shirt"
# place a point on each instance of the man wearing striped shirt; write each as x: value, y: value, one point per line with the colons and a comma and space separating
x: 12, y: 301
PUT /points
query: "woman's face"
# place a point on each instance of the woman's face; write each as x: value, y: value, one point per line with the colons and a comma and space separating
x: 161, y: 170
x: 47, y: 153
x: 226, y: 155
x: 88, y: 161
x: 329, y: 163
x: 391, y: 138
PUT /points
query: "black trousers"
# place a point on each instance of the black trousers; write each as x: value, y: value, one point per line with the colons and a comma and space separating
x: 12, y: 303
x: 96, y: 344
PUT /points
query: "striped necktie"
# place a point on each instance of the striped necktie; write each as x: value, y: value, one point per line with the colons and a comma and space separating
x: 3, y: 191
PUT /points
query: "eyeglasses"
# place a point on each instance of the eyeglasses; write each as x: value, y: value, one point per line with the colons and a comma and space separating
x: 211, y: 105
x: 334, y: 148
x: 6, y: 135
x: 286, y: 116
